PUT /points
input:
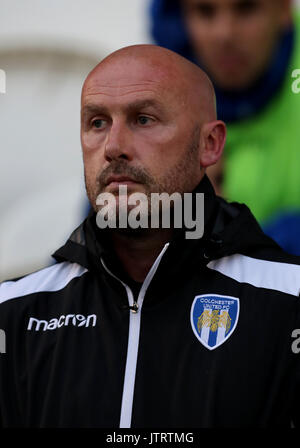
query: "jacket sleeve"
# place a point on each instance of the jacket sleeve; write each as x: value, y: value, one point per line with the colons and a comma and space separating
x: 2, y: 360
x: 295, y: 348
x: 9, y: 404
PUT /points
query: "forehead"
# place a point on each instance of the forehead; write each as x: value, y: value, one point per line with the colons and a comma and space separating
x: 122, y: 80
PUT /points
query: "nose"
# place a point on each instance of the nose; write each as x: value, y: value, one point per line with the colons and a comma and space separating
x: 118, y: 142
x: 224, y: 27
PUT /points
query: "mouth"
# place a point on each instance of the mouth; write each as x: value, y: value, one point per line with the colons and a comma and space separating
x: 114, y: 181
x: 231, y: 61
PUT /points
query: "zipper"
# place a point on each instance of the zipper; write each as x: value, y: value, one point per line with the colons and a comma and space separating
x: 134, y: 308
x: 133, y: 339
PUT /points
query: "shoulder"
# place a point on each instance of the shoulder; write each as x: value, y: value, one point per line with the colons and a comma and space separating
x: 276, y: 271
x: 52, y: 278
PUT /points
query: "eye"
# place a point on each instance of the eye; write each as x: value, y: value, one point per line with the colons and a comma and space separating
x: 143, y: 119
x: 98, y: 123
x: 204, y: 10
x: 247, y: 7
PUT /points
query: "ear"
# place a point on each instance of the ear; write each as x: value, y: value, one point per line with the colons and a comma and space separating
x: 212, y: 144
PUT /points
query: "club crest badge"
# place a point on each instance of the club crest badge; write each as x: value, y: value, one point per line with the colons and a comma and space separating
x: 214, y: 318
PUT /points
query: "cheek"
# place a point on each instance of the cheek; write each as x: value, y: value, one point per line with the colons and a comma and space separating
x: 92, y: 150
x: 93, y: 166
x: 90, y: 174
x: 91, y: 141
x: 258, y: 31
x: 160, y: 156
x: 262, y: 36
x: 199, y: 33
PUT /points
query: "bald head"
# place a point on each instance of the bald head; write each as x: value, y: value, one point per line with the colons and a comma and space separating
x: 151, y: 63
x: 148, y: 114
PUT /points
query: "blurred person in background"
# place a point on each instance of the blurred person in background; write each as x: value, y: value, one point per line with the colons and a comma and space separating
x: 250, y: 49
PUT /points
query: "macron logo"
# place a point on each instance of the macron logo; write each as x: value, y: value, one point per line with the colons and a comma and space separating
x: 77, y: 320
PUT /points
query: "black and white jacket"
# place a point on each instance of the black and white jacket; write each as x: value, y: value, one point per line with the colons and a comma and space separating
x: 205, y: 342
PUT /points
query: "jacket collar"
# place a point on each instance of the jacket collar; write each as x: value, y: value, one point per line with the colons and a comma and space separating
x: 88, y: 243
x: 228, y: 229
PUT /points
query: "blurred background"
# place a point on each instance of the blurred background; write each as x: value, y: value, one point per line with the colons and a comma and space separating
x: 48, y: 48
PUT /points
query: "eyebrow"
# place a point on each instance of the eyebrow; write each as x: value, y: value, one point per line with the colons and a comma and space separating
x: 91, y: 109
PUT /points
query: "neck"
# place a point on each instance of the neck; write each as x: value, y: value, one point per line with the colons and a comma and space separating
x: 137, y: 251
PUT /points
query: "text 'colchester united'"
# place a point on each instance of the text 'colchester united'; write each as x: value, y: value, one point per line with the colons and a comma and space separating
x: 214, y: 318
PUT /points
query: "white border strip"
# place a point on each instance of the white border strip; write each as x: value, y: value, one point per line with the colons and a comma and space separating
x: 50, y: 279
x: 133, y: 341
x: 133, y: 346
x: 283, y: 277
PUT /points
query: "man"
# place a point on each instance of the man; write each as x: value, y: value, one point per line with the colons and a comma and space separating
x: 250, y: 49
x: 145, y: 327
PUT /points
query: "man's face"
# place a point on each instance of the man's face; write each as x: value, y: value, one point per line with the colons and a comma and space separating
x: 137, y: 130
x: 235, y: 39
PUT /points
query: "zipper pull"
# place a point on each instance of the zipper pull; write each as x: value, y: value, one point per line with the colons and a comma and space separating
x: 134, y: 308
